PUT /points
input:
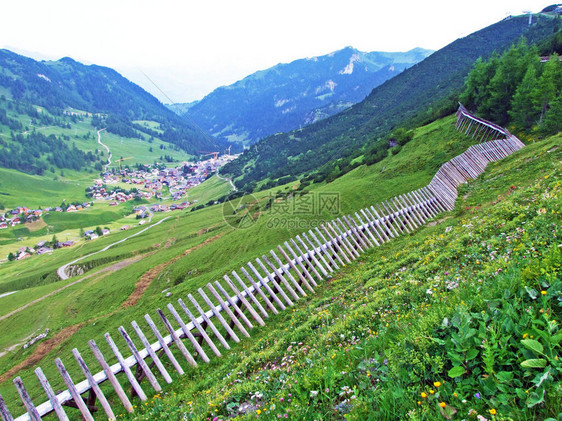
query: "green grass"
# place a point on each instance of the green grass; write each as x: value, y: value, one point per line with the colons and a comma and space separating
x: 139, y: 150
x: 210, y: 189
x: 21, y: 189
x: 431, y: 146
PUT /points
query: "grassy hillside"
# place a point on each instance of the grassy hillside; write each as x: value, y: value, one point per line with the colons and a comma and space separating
x: 182, y: 253
x: 461, y: 318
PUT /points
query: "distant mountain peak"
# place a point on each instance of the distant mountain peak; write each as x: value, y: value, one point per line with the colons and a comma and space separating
x: 291, y: 95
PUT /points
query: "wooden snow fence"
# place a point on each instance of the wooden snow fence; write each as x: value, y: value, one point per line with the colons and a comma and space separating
x: 247, y: 298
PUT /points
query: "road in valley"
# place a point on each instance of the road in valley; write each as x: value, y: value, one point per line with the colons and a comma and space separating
x: 62, y: 270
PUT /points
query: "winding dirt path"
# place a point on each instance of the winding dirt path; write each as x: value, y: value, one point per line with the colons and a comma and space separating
x: 106, y: 148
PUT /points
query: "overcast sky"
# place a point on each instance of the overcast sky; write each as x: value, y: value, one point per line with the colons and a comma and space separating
x: 188, y: 48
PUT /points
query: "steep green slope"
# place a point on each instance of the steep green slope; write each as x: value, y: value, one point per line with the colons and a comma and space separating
x: 189, y: 250
x: 411, y: 97
x: 460, y: 318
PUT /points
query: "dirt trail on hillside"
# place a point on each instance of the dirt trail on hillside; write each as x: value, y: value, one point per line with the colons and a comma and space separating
x: 146, y: 279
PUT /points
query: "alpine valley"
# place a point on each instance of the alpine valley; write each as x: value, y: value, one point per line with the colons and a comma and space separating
x: 335, y: 238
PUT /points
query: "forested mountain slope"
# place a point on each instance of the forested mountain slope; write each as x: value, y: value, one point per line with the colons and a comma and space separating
x: 66, y: 83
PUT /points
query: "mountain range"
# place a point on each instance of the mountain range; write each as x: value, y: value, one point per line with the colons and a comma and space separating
x: 292, y: 95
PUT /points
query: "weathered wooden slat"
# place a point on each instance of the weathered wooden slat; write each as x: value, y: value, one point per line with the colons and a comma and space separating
x: 346, y: 233
x: 354, y: 227
x: 302, y: 275
x: 287, y: 271
x: 271, y: 279
x: 243, y: 300
x: 382, y: 218
x: 140, y: 361
x: 417, y: 219
x: 393, y: 223
x: 265, y: 283
x: 235, y: 306
x: 227, y: 310
x: 399, y: 212
x: 338, y: 245
x: 326, y: 248
x: 4, y: 411
x: 305, y: 259
x: 279, y: 276
x: 164, y: 345
x: 368, y: 229
x: 299, y: 261
x: 345, y: 239
x: 260, y: 292
x: 199, y: 328
x: 26, y: 399
x: 218, y: 315
x: 188, y: 334
x: 377, y: 223
x: 331, y: 244
x: 251, y: 294
x: 208, y: 320
x: 177, y: 340
x: 312, y: 256
x: 110, y: 376
x: 153, y: 355
x: 57, y: 407
x: 84, y: 411
x: 130, y: 377
x: 318, y: 251
x: 93, y: 385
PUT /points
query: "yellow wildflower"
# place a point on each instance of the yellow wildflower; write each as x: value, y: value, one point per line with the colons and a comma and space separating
x: 437, y: 384
x: 442, y: 404
x: 493, y: 411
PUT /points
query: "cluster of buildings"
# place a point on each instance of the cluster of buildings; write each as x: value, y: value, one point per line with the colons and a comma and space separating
x: 148, y: 183
x: 42, y: 247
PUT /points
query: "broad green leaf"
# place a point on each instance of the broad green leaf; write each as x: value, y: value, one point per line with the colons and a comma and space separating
x: 471, y: 354
x: 555, y: 340
x: 505, y: 376
x: 456, y: 371
x: 534, y: 363
x: 535, y: 398
x: 532, y: 292
x: 533, y: 345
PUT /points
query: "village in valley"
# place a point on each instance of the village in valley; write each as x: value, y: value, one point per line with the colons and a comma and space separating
x: 167, y: 185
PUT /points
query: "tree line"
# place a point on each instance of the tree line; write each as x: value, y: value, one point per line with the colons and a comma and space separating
x: 518, y: 89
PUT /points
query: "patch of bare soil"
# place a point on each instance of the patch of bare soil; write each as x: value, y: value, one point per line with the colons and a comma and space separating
x: 42, y: 349
x: 150, y: 275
